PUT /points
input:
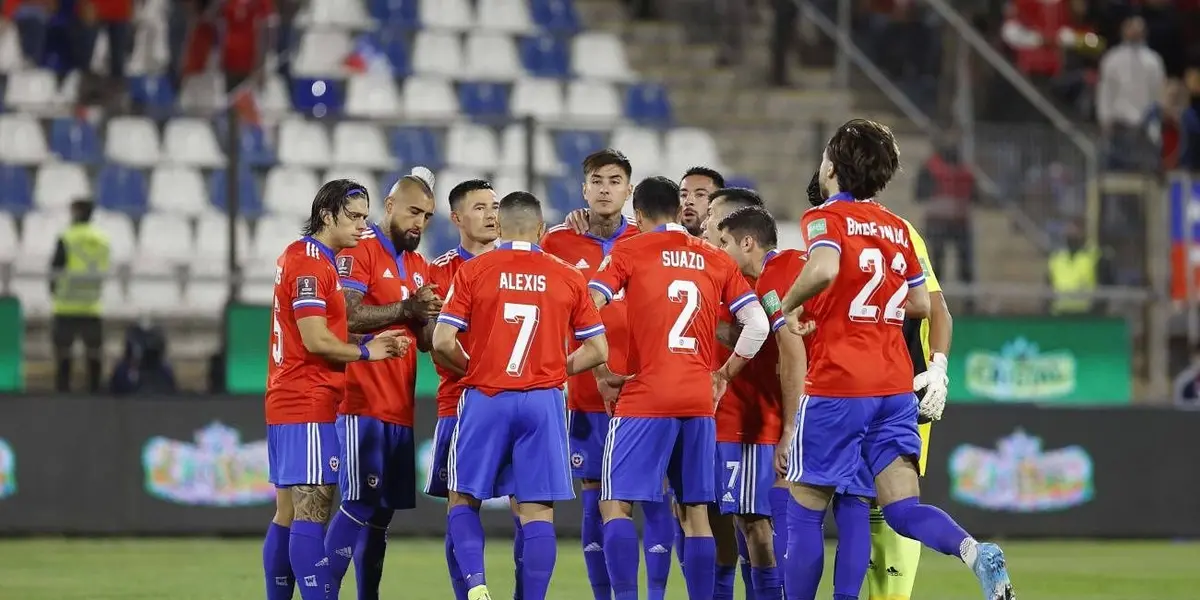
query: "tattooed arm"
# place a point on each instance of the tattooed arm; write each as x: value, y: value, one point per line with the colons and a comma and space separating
x: 365, y: 318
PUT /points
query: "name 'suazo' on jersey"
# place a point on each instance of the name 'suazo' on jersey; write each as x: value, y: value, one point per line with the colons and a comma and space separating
x: 682, y: 259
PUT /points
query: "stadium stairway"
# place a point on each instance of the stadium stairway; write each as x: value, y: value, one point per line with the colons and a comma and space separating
x: 771, y: 134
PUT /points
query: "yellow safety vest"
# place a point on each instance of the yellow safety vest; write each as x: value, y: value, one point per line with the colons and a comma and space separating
x: 1073, y: 272
x: 77, y: 290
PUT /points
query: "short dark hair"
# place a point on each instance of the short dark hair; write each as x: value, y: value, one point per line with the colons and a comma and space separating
x: 606, y: 157
x: 753, y: 221
x: 737, y: 197
x: 657, y: 197
x: 814, y: 189
x: 332, y: 198
x: 82, y: 209
x: 459, y: 192
x: 864, y: 156
x: 716, y: 177
x: 522, y: 207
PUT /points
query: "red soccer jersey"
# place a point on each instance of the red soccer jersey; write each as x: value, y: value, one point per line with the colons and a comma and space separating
x: 517, y: 305
x: 383, y: 389
x: 303, y: 387
x: 749, y: 412
x: 442, y: 273
x: 858, y: 349
x: 586, y: 252
x: 675, y: 284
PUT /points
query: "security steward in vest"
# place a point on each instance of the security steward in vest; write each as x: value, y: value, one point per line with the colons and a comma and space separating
x: 80, y: 264
x: 1074, y: 272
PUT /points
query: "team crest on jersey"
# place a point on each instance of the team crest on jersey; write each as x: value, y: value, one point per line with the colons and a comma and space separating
x: 334, y: 463
x: 577, y: 460
x: 306, y: 287
x: 418, y: 280
x: 372, y: 481
x: 925, y: 265
x: 816, y: 228
x: 345, y: 265
x: 771, y: 303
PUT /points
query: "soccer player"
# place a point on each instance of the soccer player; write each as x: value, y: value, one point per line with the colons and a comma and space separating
x: 663, y: 423
x: 306, y: 376
x: 384, y: 281
x: 860, y: 405
x: 517, y: 304
x: 696, y: 190
x: 606, y: 188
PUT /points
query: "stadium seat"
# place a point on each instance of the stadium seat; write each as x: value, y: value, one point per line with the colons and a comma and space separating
x: 492, y: 57
x: 10, y: 50
x: 132, y: 141
x: 429, y: 98
x: 483, y: 102
x: 417, y: 146
x: 395, y: 13
x: 565, y: 193
x: 437, y: 53
x: 259, y: 286
x: 452, y: 15
x: 39, y: 236
x: 361, y: 144
x: 205, y: 299
x: 33, y: 91
x: 317, y: 97
x: 574, y: 146
x: 68, y: 88
x: 555, y: 15
x: 514, y: 151
x: 122, y: 189
x: 439, y: 236
x: 249, y: 198
x: 16, y: 190
x: 164, y: 239
x: 203, y: 93
x: 57, y: 185
x: 599, y: 56
x: 450, y: 177
x: 75, y: 140
x: 191, y: 141
x: 256, y: 152
x: 509, y: 16
x: 393, y: 43
x: 303, y: 143
x: 338, y: 14
x: 212, y: 236
x: 8, y: 238
x: 150, y: 53
x: 322, y: 52
x: 180, y: 190
x: 540, y: 98
x: 152, y: 93
x: 545, y: 56
x: 32, y: 293
x: 472, y: 147
x: 593, y: 102
x: 507, y: 182
x: 372, y: 95
x: 274, y: 233
x: 22, y: 140
x: 643, y: 148
x: 274, y: 99
x: 115, y: 301
x: 688, y: 146
x: 648, y: 104
x: 156, y: 297
x: 121, y: 239
x: 289, y: 191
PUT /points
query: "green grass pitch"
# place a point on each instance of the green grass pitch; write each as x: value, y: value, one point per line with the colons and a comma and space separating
x: 209, y: 569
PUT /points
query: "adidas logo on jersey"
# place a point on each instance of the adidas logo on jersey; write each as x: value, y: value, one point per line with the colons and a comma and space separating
x: 387, y: 274
x: 593, y: 547
x: 582, y: 264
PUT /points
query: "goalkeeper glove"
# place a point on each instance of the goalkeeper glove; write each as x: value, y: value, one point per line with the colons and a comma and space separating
x: 934, y: 382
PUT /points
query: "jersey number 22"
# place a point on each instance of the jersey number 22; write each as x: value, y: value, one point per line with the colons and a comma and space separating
x: 870, y: 260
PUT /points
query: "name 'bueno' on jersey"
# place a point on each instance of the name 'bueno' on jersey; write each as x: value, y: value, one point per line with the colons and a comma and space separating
x: 896, y: 235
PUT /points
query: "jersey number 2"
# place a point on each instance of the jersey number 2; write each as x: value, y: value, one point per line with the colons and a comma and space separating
x: 871, y: 261
x: 527, y: 316
x: 688, y: 293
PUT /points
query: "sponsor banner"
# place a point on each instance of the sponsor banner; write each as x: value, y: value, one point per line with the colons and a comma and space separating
x: 12, y: 333
x: 1060, y: 360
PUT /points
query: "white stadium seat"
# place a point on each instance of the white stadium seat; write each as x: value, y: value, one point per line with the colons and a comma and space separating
x: 593, y: 101
x: 212, y: 237
x: 303, y: 143
x: 10, y: 50
x: 205, y: 299
x: 39, y: 236
x: 190, y: 141
x: 541, y: 98
x: 22, y: 140
x: 454, y: 15
x: 437, y: 53
x: 203, y: 92
x: 115, y: 302
x: 509, y: 16
x: 507, y: 182
x: 513, y: 150
x: 599, y: 56
x: 164, y: 239
x: 492, y: 57
x: 274, y: 233
x: 442, y: 193
x: 8, y: 238
x: 344, y: 14
x: 33, y: 90
x: 273, y: 99
x: 33, y: 294
x: 156, y: 297
x: 790, y: 235
x: 132, y: 141
x: 57, y: 185
x: 362, y: 144
x: 643, y: 148
x: 429, y: 98
x: 372, y: 95
x: 471, y: 146
x: 688, y: 146
x: 322, y: 53
x: 121, y: 239
x: 289, y: 191
x: 178, y: 190
x: 366, y: 179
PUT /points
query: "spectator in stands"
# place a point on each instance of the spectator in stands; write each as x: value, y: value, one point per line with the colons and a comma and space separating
x: 115, y: 18
x: 1163, y: 124
x: 1031, y: 31
x: 81, y: 260
x: 783, y: 36
x: 947, y: 187
x: 143, y: 368
x: 1190, y: 159
x: 1164, y: 34
x: 1131, y: 79
x: 244, y: 39
x: 32, y: 18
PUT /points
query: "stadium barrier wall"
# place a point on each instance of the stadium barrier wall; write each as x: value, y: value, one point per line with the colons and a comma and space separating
x: 197, y: 465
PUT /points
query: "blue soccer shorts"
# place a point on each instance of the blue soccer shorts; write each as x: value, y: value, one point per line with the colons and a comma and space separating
x: 640, y: 452
x: 525, y: 431
x: 439, y: 474
x: 836, y: 436
x: 745, y: 474
x: 378, y: 462
x: 586, y: 432
x: 303, y: 454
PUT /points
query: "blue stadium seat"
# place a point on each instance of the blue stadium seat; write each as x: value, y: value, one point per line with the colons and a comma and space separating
x: 394, y: 42
x: 483, y: 101
x: 556, y: 15
x: 255, y: 150
x: 249, y: 199
x: 647, y: 104
x: 16, y: 189
x: 75, y: 140
x: 122, y: 189
x: 574, y: 146
x: 545, y: 56
x: 318, y: 97
x: 564, y: 193
x: 396, y: 12
x: 417, y: 146
x: 741, y: 181
x: 153, y: 93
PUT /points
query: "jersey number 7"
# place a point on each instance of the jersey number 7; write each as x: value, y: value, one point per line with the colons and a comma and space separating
x: 527, y: 316
x: 870, y: 260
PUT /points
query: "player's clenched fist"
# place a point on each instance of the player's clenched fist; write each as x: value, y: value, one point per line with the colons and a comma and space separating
x: 424, y: 304
x: 783, y: 455
x: 388, y: 344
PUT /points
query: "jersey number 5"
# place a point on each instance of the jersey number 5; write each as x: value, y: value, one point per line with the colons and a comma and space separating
x: 277, y: 336
x: 687, y: 293
x: 527, y: 316
x: 871, y: 261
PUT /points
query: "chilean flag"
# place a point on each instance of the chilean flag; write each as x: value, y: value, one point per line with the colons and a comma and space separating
x: 1185, y: 209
